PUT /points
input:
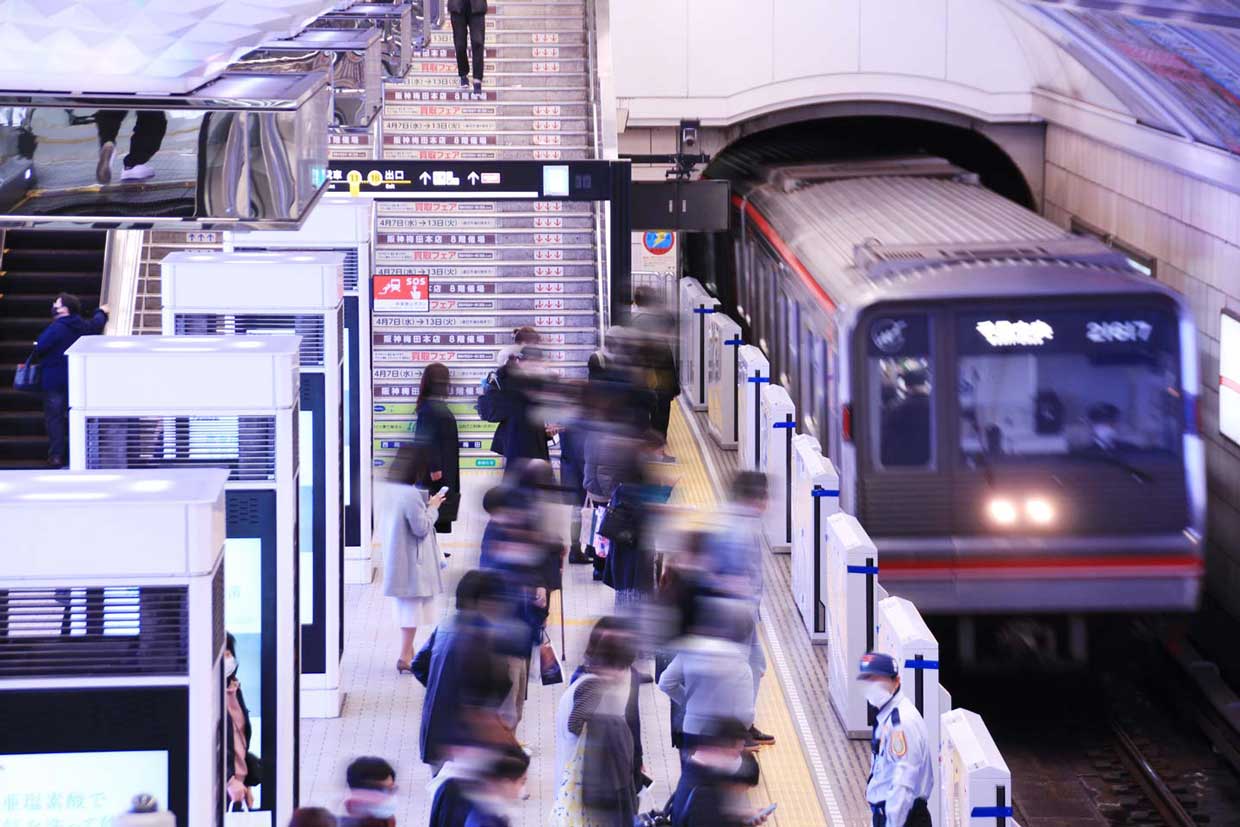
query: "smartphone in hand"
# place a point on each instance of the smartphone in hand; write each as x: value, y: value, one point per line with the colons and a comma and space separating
x: 762, y: 814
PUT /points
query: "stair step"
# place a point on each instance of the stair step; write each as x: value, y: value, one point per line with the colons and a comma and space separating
x: 51, y: 282
x: 42, y: 260
x: 24, y: 446
x: 484, y: 223
x: 503, y: 67
x: 23, y: 423
x: 23, y: 329
x: 57, y: 239
x: 498, y: 153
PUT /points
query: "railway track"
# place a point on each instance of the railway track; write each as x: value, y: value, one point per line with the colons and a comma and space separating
x: 1134, y: 741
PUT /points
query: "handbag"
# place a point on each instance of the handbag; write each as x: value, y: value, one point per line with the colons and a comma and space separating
x: 29, y: 376
x: 549, y: 663
x: 253, y: 770
x: 247, y: 818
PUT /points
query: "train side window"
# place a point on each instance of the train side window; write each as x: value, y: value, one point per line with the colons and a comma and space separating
x: 900, y: 392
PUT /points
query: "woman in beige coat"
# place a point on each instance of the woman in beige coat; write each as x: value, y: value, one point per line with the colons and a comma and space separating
x: 412, y: 564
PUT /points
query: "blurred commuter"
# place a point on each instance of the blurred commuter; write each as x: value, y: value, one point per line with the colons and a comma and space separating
x: 495, y: 799
x: 466, y: 680
x: 148, y: 134
x: 902, y: 772
x: 437, y: 432
x: 144, y: 811
x: 469, y: 28
x: 242, y: 768
x: 371, y: 799
x: 605, y: 628
x: 709, y: 679
x: 715, y: 780
x: 573, y: 439
x: 594, y: 743
x: 312, y: 817
x: 412, y: 566
x: 49, y: 351
x: 451, y: 787
x: 735, y: 555
x: 655, y: 361
x: 510, y: 401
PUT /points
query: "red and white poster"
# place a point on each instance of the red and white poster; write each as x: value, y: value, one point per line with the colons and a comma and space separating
x: 408, y: 294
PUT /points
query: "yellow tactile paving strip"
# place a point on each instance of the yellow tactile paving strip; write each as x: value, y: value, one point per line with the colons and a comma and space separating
x: 786, y: 778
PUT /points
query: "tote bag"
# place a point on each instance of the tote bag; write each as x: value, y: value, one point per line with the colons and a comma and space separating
x: 29, y: 376
x: 569, y: 809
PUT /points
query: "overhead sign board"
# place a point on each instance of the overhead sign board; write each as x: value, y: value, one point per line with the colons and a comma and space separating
x: 489, y: 180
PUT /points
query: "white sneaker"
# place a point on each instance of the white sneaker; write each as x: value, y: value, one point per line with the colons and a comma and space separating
x: 139, y: 172
x: 103, y: 169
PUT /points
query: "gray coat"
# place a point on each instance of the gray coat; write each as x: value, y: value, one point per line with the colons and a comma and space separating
x: 411, y: 561
x: 712, y: 679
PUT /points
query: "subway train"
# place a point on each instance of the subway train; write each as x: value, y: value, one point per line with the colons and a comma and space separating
x: 1012, y: 409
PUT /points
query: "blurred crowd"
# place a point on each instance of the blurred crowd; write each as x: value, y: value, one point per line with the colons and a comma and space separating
x: 684, y: 615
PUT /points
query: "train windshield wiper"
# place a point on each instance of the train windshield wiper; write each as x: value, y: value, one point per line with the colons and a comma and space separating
x: 1109, y: 457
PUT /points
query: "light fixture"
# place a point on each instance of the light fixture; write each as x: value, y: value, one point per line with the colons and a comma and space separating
x: 60, y: 496
x: 118, y: 344
x: 1039, y: 511
x: 1002, y: 511
x: 71, y: 477
x: 150, y: 486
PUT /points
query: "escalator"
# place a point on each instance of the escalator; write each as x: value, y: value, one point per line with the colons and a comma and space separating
x: 36, y: 265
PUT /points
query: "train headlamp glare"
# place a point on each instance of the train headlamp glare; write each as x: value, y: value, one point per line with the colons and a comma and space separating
x: 1002, y: 511
x: 1039, y: 511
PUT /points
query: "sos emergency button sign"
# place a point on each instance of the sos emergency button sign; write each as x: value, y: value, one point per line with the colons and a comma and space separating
x: 408, y: 294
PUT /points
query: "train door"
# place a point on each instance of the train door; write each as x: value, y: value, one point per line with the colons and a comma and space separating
x: 898, y: 416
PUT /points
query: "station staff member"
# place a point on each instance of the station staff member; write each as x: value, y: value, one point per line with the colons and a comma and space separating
x: 902, y: 773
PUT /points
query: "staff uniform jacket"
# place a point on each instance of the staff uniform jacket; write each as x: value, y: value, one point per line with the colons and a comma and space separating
x: 902, y: 771
x: 437, y: 431
x: 411, y: 559
x: 56, y: 338
x: 711, y: 678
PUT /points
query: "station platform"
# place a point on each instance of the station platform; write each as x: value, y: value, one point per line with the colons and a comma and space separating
x: 813, y: 772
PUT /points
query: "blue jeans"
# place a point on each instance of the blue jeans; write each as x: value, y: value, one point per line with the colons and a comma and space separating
x: 56, y: 418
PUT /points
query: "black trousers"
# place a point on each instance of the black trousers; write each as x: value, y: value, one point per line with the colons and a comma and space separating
x: 148, y: 132
x: 475, y: 25
x: 918, y: 815
x: 56, y: 418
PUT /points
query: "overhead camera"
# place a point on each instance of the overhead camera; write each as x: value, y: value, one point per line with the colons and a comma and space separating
x: 689, y: 134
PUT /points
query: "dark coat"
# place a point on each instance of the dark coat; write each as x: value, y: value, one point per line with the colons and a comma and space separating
x: 450, y: 807
x: 467, y: 6
x: 607, y: 775
x: 437, y: 430
x: 519, y: 436
x: 700, y: 798
x: 58, y: 337
x: 573, y: 462
x: 458, y: 651
x: 632, y: 714
x: 629, y: 565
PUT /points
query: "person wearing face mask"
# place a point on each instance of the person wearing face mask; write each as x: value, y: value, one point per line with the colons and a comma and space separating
x: 243, y: 768
x: 902, y: 772
x: 496, y: 798
x: 371, y: 801
x: 67, y: 327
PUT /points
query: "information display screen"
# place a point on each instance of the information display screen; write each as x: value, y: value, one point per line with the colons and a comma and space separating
x: 78, y: 789
x: 305, y: 512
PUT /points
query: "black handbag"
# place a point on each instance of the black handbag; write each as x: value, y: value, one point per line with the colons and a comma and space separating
x: 29, y: 376
x: 253, y: 770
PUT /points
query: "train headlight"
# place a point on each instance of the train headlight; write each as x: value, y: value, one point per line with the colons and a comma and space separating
x: 1002, y: 512
x: 1040, y: 511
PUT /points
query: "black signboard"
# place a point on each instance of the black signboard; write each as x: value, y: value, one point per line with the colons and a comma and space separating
x: 681, y: 205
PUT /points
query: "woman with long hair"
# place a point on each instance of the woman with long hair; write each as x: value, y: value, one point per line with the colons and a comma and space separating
x: 412, y: 565
x: 436, y: 433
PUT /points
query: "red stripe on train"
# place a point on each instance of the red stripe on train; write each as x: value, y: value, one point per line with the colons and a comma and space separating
x: 1188, y: 563
x: 783, y: 249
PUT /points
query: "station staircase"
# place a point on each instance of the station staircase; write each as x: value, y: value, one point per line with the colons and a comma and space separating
x: 36, y: 265
x: 534, y: 263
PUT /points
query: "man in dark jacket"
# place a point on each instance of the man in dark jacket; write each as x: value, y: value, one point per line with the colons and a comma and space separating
x: 521, y: 434
x: 713, y: 783
x: 49, y: 350
x: 469, y: 17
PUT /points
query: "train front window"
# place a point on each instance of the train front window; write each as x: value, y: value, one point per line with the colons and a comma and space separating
x: 1089, y: 382
x: 901, y: 390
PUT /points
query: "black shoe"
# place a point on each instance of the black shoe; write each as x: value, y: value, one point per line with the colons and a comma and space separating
x: 464, y: 82
x: 762, y: 738
x: 477, y: 87
x: 752, y: 745
x: 578, y: 557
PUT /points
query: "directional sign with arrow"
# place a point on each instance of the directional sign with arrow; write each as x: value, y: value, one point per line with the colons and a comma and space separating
x: 498, y: 180
x: 473, y: 178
